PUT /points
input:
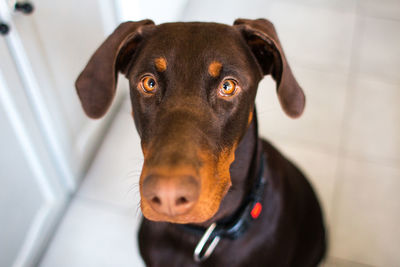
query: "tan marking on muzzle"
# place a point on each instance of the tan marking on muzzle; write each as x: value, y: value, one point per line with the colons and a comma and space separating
x: 215, y: 181
x: 250, y: 118
x: 144, y: 150
x: 214, y: 69
x: 161, y: 64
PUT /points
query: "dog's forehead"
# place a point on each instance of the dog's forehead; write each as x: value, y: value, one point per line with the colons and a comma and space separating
x: 197, y: 41
x: 198, y: 30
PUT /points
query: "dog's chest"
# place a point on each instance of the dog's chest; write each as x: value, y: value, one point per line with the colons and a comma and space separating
x: 163, y: 248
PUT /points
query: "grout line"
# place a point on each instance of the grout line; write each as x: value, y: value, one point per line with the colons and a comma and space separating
x: 368, y: 14
x: 348, y: 109
x: 326, y: 150
x: 350, y: 262
x: 372, y: 16
x: 323, y: 68
x: 385, y: 162
x: 280, y: 139
x: 341, y: 9
x: 367, y: 77
x: 110, y: 207
x: 306, y: 66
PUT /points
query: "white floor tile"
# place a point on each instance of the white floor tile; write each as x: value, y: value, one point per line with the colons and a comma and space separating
x: 313, y: 36
x: 114, y: 174
x: 320, y: 169
x: 321, y: 123
x: 91, y: 235
x: 338, y: 5
x: 373, y: 129
x: 225, y: 11
x: 378, y: 55
x: 367, y: 214
x: 313, y: 33
x: 389, y: 9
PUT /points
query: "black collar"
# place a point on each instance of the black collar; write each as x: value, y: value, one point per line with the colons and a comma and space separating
x: 236, y: 225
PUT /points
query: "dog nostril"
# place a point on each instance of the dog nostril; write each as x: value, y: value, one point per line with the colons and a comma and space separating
x: 156, y: 200
x: 171, y: 195
x: 181, y: 201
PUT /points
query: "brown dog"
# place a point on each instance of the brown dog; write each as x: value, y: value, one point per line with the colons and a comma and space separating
x: 206, y: 174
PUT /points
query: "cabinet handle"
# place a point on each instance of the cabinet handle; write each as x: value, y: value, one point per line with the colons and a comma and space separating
x: 4, y: 28
x: 24, y: 7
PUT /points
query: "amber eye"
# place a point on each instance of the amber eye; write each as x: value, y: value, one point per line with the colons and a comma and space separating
x: 228, y: 87
x: 148, y: 84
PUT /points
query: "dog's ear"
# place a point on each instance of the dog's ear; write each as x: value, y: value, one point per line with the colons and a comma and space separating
x: 96, y: 84
x: 263, y: 41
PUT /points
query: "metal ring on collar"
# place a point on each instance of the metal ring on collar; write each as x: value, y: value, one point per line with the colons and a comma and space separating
x: 197, y: 255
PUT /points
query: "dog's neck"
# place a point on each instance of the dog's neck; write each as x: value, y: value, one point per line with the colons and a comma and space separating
x: 243, y: 173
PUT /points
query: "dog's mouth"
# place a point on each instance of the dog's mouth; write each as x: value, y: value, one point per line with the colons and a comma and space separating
x: 185, y: 193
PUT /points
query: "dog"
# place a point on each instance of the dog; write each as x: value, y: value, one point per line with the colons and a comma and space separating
x: 212, y: 192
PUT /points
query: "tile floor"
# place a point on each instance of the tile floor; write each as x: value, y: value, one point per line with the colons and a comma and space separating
x: 346, y: 55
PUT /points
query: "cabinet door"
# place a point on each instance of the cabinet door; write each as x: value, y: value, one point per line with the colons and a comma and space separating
x: 31, y: 195
x: 50, y: 47
x: 46, y: 141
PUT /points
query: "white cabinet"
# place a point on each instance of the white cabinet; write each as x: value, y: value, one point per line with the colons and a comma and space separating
x: 31, y: 194
x: 46, y: 141
x: 51, y: 46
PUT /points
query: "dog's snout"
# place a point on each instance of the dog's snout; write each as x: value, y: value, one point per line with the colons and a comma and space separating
x: 171, y: 195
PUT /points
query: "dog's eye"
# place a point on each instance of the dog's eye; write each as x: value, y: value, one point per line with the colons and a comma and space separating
x: 228, y: 87
x: 148, y: 84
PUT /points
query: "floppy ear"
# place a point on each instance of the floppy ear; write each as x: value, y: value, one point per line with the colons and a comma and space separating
x: 263, y: 41
x: 97, y: 82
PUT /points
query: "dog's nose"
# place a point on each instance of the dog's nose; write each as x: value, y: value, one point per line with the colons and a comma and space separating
x: 171, y: 195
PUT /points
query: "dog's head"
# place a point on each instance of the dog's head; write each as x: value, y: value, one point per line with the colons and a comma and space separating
x: 192, y: 88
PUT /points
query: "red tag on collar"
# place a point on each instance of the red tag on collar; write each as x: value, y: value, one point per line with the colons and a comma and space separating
x: 255, y: 212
